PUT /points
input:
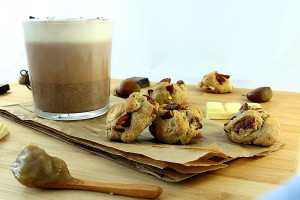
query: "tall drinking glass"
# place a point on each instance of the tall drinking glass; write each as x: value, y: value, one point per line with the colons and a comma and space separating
x: 69, y: 66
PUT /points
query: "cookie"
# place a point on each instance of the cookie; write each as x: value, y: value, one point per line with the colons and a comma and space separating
x: 165, y: 92
x: 127, y: 119
x: 216, y: 83
x: 176, y: 124
x: 252, y: 125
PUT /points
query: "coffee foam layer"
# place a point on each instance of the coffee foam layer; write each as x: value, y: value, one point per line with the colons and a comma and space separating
x: 93, y: 30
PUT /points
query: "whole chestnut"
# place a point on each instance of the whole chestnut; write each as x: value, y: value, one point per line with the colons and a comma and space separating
x: 259, y: 95
x: 126, y: 87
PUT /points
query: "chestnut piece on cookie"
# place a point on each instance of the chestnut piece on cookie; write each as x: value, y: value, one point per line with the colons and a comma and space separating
x: 127, y: 119
x: 176, y: 124
x: 216, y: 83
x: 252, y: 125
x: 165, y: 92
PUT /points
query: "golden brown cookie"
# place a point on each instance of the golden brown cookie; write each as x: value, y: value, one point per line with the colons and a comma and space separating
x: 252, y: 126
x: 127, y: 119
x: 216, y: 83
x: 176, y: 124
x: 165, y: 92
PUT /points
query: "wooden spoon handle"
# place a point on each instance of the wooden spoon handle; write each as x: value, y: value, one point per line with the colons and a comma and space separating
x: 133, y: 190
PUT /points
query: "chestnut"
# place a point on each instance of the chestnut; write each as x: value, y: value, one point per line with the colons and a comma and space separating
x: 126, y: 87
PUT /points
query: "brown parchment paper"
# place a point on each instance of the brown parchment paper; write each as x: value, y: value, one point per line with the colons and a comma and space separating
x: 167, y: 162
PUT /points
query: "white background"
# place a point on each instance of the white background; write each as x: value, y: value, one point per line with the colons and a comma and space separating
x: 257, y: 42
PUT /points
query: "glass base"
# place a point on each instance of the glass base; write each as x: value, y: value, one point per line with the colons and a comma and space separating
x: 71, y: 116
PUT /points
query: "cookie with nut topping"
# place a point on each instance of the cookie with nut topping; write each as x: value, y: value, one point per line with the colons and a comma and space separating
x: 216, y: 83
x: 127, y: 119
x: 252, y: 125
x: 176, y: 124
x: 165, y: 92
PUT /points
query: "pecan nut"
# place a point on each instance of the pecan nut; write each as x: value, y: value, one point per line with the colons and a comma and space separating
x: 170, y: 89
x: 167, y: 115
x: 166, y: 80
x: 180, y: 82
x: 150, y: 99
x: 150, y: 91
x: 244, y: 107
x: 172, y: 106
x: 244, y: 124
x: 175, y: 106
x: 199, y: 125
x: 221, y: 78
x: 122, y: 122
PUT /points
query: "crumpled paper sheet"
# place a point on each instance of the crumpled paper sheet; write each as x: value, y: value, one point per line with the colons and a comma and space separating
x: 168, y: 162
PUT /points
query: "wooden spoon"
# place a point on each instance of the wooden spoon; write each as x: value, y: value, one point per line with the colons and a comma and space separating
x: 133, y: 190
x: 35, y: 168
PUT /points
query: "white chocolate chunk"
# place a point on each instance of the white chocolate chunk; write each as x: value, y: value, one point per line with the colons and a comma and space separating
x: 254, y: 105
x: 215, y: 110
x: 211, y: 87
x: 232, y: 107
x: 215, y: 115
x: 3, y: 130
x: 218, y: 110
x: 215, y: 106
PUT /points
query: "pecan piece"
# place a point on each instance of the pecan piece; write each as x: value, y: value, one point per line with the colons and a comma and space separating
x: 175, y: 106
x: 167, y: 115
x: 166, y: 80
x: 150, y: 99
x: 244, y: 107
x: 170, y: 89
x: 124, y: 120
x: 221, y: 78
x: 172, y: 106
x: 196, y: 121
x: 199, y: 125
x: 244, y: 124
x: 150, y: 91
x: 180, y: 82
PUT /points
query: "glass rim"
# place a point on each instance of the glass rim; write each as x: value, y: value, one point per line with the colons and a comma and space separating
x: 65, y: 20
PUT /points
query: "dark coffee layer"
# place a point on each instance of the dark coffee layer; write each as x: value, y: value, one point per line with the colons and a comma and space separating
x: 71, y: 98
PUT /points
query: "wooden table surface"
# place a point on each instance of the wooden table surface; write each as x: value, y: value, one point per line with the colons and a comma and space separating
x: 244, y: 178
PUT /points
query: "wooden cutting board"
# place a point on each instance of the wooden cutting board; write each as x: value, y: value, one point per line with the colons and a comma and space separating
x: 245, y: 178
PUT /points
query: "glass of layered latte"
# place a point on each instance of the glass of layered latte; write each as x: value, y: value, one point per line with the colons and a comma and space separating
x: 69, y: 66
